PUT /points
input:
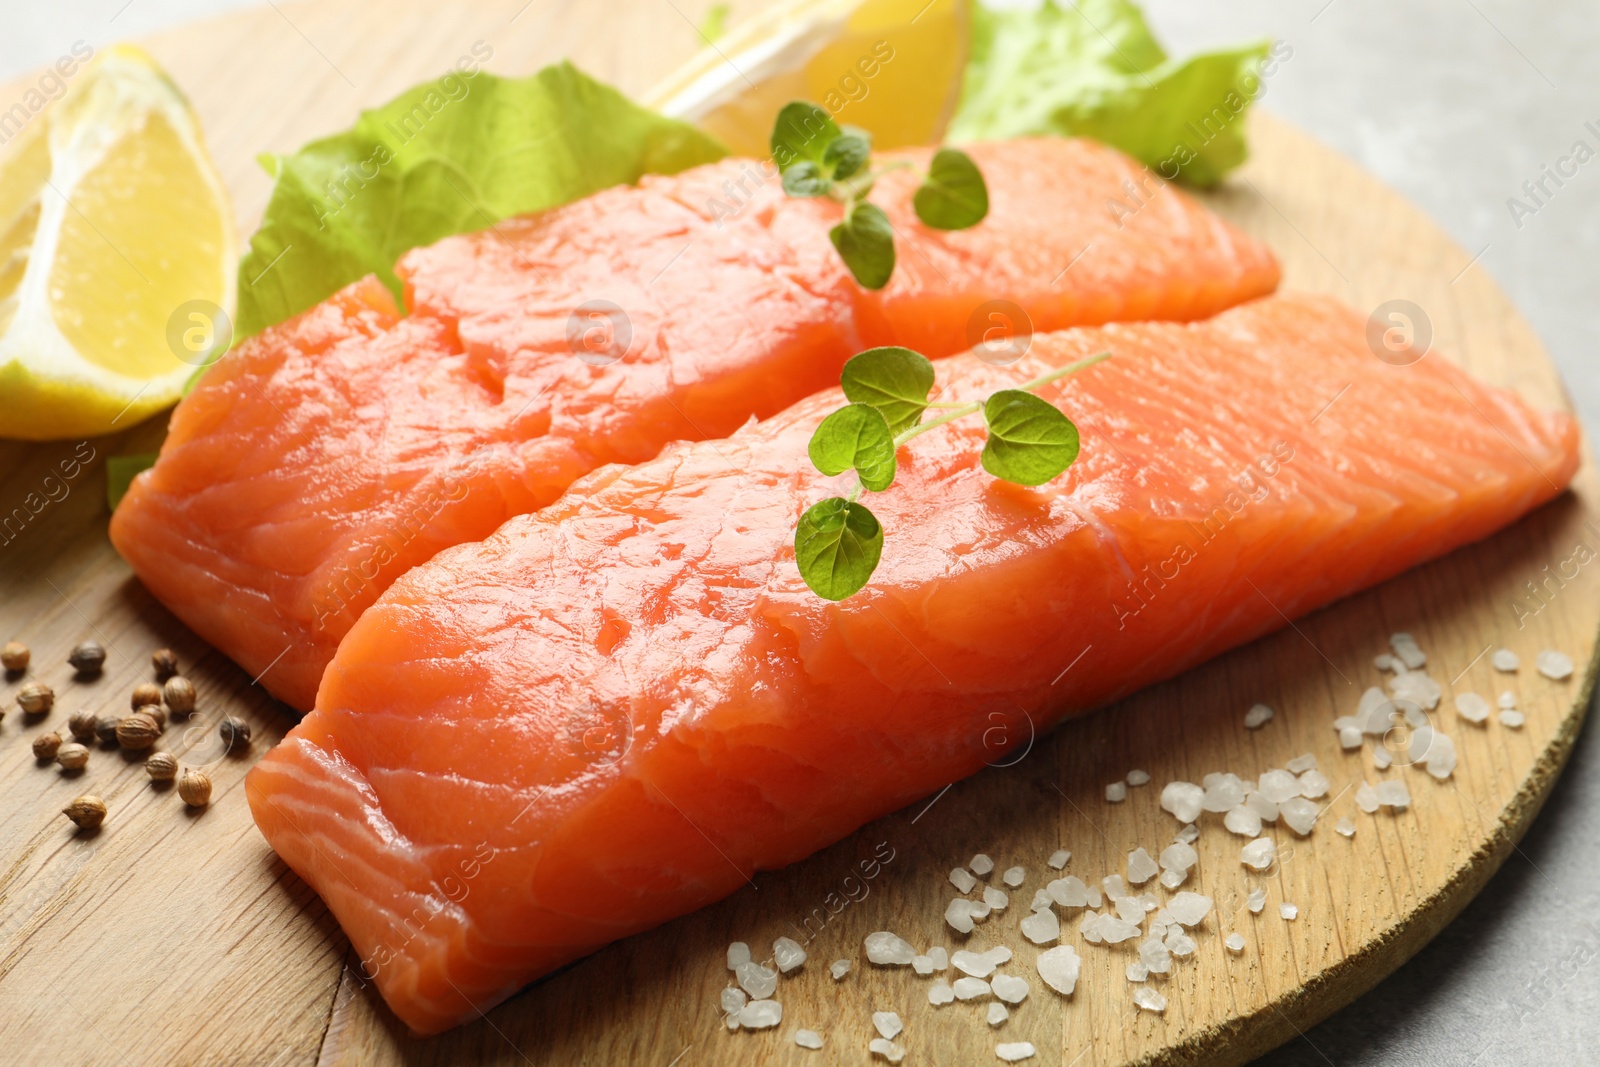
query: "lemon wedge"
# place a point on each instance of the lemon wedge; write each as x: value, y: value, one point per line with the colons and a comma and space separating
x: 892, y: 67
x: 117, y: 254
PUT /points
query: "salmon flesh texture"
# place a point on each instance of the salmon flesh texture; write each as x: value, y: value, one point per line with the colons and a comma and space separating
x: 327, y: 456
x: 614, y: 710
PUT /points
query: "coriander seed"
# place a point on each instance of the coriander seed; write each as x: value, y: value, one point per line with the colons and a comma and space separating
x: 82, y: 725
x: 105, y: 729
x: 14, y: 657
x: 155, y: 712
x: 165, y: 661
x: 161, y: 767
x: 45, y: 746
x: 36, y: 698
x: 87, y: 811
x: 145, y: 693
x: 72, y: 757
x: 137, y: 731
x: 88, y: 659
x: 179, y: 694
x: 195, y: 789
x: 235, y: 733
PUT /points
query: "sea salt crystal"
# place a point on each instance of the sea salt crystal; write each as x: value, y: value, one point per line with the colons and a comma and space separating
x: 738, y: 953
x: 995, y: 898
x: 1114, y: 930
x: 1042, y: 928
x: 787, y: 954
x: 1313, y: 784
x: 1417, y: 688
x: 761, y: 1014
x: 1507, y: 699
x: 887, y: 1023
x: 978, y: 909
x: 1505, y: 660
x: 1179, y: 856
x: 1256, y: 900
x: 889, y: 950
x: 959, y: 915
x: 940, y: 958
x: 1243, y: 820
x: 1189, y: 909
x: 1183, y: 800
x: 1385, y: 662
x: 1472, y: 707
x: 1441, y: 753
x: 1235, y: 942
x: 1259, y: 853
x: 1129, y: 909
x: 1367, y: 798
x: 882, y: 1046
x: 1149, y: 999
x: 1288, y: 911
x: 962, y: 879
x: 1394, y: 795
x: 1137, y: 777
x: 732, y: 1000
x: 977, y: 964
x: 808, y: 1039
x: 1302, y: 764
x: 1012, y: 1051
x: 757, y: 980
x: 839, y: 968
x: 1141, y: 867
x: 1381, y: 758
x: 1557, y: 666
x: 1179, y: 943
x: 940, y: 993
x: 1345, y: 827
x: 981, y: 865
x: 922, y: 965
x: 1059, y: 968
x: 1058, y: 859
x: 1114, y: 886
x: 1188, y: 833
x: 970, y: 988
x: 1009, y: 987
x: 1172, y: 877
x: 1041, y: 900
x: 1278, y: 786
x: 998, y: 955
x: 1373, y: 711
x: 997, y: 1013
x: 1155, y: 956
x: 1513, y: 718
x: 1136, y: 971
x: 1406, y: 650
x: 1349, y: 737
x: 1299, y: 814
x: 732, y: 1022
x: 1014, y: 876
x: 1117, y: 792
x: 1258, y: 716
x: 1223, y: 793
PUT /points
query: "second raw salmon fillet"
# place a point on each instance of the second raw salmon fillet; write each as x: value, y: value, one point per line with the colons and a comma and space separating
x: 329, y: 455
x: 629, y: 701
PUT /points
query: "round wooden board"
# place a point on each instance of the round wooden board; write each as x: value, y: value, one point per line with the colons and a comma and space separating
x: 177, y: 937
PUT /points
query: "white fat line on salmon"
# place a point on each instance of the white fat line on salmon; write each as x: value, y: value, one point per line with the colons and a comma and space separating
x: 1148, y: 584
x: 55, y: 490
x: 1542, y: 590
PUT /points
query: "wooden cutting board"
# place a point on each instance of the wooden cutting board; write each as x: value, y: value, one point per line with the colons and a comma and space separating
x: 177, y: 937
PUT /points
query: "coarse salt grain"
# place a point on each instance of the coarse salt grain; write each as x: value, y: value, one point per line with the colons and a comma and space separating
x: 882, y: 1046
x: 732, y: 999
x: 839, y: 968
x: 1141, y: 867
x: 1394, y: 795
x: 1041, y: 900
x: 1173, y: 877
x: 1058, y: 859
x: 981, y: 864
x: 1367, y: 798
x: 1244, y: 821
x: 1179, y: 943
x: 1155, y: 956
x: 887, y: 1023
x: 1222, y: 792
x: 1012, y: 1051
x: 1114, y: 886
x: 1014, y: 876
x: 1288, y: 911
x: 757, y: 980
x: 1137, y: 778
x: 959, y: 915
x: 1472, y: 707
x: 1302, y: 764
x: 1557, y: 666
x: 1406, y: 650
x: 1381, y: 758
x: 1009, y: 988
x: 1385, y: 662
x: 940, y: 957
x: 1313, y: 784
x: 761, y: 1014
x: 1505, y: 661
x: 889, y: 950
x: 1117, y: 792
x: 1278, y: 786
x: 997, y: 1013
x: 1059, y: 968
x: 995, y: 898
x: 1349, y: 737
x: 1507, y: 699
x: 1235, y: 942
x: 787, y: 954
x: 1258, y: 716
x: 808, y: 1039
x: 940, y: 993
x: 1136, y: 971
x: 977, y: 964
x: 1069, y: 892
x: 922, y: 965
x: 1042, y: 928
x: 962, y: 879
x: 738, y: 953
x: 1256, y: 900
x: 1149, y: 999
x: 1513, y: 718
x: 1179, y: 855
x: 1346, y: 827
x: 1416, y: 687
x: 978, y: 909
x: 1299, y: 814
x: 1259, y: 853
x: 1189, y: 909
x: 970, y: 988
x: 1183, y: 800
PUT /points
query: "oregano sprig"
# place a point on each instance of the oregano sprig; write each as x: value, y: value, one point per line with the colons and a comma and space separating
x: 818, y: 157
x: 839, y: 541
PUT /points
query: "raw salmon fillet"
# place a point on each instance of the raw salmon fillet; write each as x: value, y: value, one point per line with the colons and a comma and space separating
x: 615, y: 709
x: 329, y: 455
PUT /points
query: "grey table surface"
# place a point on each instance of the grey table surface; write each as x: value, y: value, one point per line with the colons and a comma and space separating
x: 1456, y: 103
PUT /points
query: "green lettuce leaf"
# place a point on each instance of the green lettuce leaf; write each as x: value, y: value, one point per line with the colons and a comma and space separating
x: 120, y: 472
x: 448, y: 156
x: 1095, y: 70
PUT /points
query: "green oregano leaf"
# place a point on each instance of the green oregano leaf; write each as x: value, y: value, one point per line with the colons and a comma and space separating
x: 865, y: 242
x: 805, y: 179
x: 953, y: 196
x: 896, y: 381
x: 803, y: 132
x: 837, y: 546
x: 855, y: 436
x: 1030, y: 440
x: 847, y: 155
